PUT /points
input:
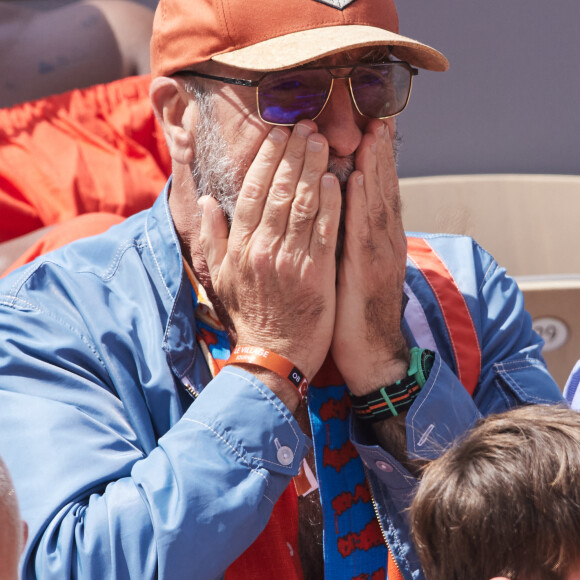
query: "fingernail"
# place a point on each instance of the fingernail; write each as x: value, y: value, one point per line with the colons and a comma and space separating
x: 374, y: 147
x: 381, y: 131
x: 315, y: 144
x: 328, y: 180
x: 303, y: 130
x: 360, y: 179
x: 278, y: 135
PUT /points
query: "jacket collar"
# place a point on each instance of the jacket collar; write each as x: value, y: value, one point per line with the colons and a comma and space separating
x: 163, y: 243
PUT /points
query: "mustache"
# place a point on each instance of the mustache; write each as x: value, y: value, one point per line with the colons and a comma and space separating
x: 342, y: 167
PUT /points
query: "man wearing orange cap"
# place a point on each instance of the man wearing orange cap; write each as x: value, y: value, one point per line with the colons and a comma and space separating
x: 162, y: 381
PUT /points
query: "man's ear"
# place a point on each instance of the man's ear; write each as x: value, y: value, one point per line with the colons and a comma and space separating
x: 173, y: 107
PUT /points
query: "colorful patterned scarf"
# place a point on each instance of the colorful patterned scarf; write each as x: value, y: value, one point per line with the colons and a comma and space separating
x: 354, y: 548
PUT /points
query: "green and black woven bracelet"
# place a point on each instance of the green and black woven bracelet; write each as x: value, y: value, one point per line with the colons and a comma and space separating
x: 391, y: 400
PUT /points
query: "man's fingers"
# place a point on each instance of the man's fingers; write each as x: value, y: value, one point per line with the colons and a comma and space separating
x: 213, y: 234
x: 308, y: 191
x: 256, y: 186
x: 375, y: 158
x: 325, y: 230
x: 368, y: 161
x: 390, y: 187
x: 356, y: 221
x: 387, y: 171
x: 285, y: 182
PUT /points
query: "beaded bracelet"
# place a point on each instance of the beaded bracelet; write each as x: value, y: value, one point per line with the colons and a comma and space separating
x: 271, y: 361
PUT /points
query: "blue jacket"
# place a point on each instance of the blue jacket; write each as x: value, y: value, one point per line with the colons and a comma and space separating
x: 120, y: 474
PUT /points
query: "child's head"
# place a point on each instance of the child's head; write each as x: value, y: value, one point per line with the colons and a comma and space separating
x: 13, y: 531
x: 504, y: 501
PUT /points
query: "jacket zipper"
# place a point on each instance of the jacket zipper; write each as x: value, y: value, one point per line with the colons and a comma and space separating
x: 189, y: 388
x: 376, y: 508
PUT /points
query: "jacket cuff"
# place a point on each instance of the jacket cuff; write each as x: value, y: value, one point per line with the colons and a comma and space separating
x: 248, y: 416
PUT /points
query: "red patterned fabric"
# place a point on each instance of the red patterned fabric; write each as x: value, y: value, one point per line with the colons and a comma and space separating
x: 274, y: 554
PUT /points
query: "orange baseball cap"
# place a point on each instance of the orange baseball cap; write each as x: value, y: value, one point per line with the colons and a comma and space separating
x: 266, y: 35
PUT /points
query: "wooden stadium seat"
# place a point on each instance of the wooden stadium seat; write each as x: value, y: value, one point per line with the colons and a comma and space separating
x: 530, y: 224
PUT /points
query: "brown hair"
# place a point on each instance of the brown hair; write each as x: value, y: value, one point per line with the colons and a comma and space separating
x: 503, y: 501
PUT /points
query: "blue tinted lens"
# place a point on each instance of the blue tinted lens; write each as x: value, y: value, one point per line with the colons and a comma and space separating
x: 379, y: 91
x: 286, y: 97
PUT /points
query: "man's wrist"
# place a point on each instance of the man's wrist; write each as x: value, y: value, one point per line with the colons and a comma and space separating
x: 393, y: 399
x: 282, y: 377
x: 377, y: 374
x: 272, y: 361
x: 278, y: 385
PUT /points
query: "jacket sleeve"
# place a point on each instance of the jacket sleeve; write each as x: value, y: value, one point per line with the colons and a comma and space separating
x: 103, y: 495
x: 512, y: 373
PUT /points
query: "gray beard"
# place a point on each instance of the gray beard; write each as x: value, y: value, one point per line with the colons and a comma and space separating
x: 215, y: 172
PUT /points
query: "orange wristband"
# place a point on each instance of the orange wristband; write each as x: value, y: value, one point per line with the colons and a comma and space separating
x: 255, y: 355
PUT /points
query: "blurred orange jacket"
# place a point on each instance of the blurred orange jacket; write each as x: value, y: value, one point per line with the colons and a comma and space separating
x: 98, y: 149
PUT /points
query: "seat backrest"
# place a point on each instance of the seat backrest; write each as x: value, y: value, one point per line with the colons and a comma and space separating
x: 531, y: 225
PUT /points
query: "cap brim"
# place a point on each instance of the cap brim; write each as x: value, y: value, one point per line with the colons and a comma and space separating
x: 305, y: 46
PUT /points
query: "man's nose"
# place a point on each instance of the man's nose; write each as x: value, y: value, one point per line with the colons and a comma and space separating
x: 340, y: 122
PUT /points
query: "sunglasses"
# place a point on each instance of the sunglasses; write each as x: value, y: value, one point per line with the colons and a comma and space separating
x: 378, y: 90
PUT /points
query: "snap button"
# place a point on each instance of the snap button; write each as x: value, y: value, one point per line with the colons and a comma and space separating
x: 383, y: 466
x: 285, y: 455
